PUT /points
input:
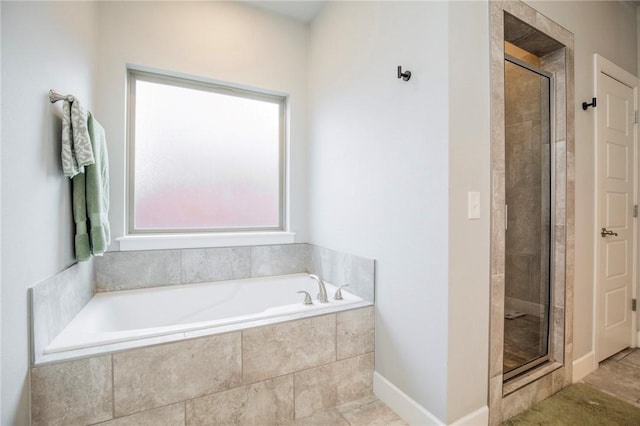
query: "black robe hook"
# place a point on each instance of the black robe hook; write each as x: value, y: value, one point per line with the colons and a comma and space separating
x: 403, y: 75
x: 586, y: 105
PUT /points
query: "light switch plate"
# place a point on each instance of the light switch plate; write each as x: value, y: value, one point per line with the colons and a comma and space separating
x: 474, y: 205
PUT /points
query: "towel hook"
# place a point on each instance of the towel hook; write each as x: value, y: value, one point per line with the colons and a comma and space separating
x: 586, y: 105
x: 55, y: 97
x: 403, y: 75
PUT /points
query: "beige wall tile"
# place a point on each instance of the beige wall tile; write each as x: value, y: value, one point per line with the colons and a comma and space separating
x: 340, y: 268
x: 170, y: 415
x: 558, y: 62
x: 280, y: 349
x: 552, y: 29
x: 264, y: 403
x: 215, y: 264
x: 278, y: 259
x: 520, y: 10
x: 496, y: 333
x: 495, y: 400
x: 56, y: 300
x: 355, y: 332
x: 497, y: 223
x: 160, y: 375
x: 558, y: 335
x: 517, y: 402
x: 137, y: 269
x: 72, y: 393
x: 329, y: 385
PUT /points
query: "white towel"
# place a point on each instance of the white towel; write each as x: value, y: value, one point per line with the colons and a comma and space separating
x: 76, y: 144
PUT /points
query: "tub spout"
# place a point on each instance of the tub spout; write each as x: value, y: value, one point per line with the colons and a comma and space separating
x: 322, y: 295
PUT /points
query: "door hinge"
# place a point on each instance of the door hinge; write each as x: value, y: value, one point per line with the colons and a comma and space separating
x: 635, y: 117
x: 635, y: 211
x: 634, y: 304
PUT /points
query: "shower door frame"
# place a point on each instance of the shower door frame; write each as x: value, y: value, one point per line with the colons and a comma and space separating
x: 552, y: 204
x: 522, y: 25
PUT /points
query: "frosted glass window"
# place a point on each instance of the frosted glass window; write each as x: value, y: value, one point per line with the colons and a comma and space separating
x: 204, y: 157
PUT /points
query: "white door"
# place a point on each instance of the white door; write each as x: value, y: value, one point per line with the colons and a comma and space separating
x: 615, y: 114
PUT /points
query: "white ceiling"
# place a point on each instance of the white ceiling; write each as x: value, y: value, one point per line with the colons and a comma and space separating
x: 302, y: 10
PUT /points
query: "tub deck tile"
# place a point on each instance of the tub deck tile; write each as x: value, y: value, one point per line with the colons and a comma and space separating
x: 169, y: 415
x: 333, y: 384
x: 263, y: 403
x: 159, y: 375
x: 284, y: 348
x: 72, y: 393
x: 355, y: 332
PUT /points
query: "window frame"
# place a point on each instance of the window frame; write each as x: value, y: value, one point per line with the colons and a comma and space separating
x: 192, y: 82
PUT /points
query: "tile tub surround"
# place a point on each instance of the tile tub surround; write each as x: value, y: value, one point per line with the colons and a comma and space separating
x: 276, y: 373
x: 139, y: 269
x: 56, y: 300
x: 130, y: 270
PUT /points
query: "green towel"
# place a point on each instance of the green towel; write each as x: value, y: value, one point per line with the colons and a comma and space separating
x: 91, y: 198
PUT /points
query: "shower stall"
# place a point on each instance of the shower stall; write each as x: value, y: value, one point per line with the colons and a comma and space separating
x: 529, y: 222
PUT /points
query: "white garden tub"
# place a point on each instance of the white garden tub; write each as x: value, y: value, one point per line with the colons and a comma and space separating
x: 121, y: 316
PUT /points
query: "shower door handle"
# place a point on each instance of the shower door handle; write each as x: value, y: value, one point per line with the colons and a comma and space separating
x: 604, y: 232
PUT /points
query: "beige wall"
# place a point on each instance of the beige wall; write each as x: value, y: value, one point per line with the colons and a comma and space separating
x: 469, y: 240
x: 378, y: 159
x: 46, y: 45
x: 223, y: 41
x: 609, y: 29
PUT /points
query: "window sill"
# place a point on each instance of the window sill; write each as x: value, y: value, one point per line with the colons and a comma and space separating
x: 184, y: 241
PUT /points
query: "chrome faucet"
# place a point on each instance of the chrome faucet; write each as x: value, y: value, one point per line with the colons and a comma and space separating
x: 322, y: 295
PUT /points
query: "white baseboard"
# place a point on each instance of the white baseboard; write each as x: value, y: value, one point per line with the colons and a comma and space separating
x: 583, y: 366
x: 415, y: 414
x: 477, y: 418
x: 409, y: 410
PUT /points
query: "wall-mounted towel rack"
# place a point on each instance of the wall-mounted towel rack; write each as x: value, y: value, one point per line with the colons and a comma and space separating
x: 55, y: 97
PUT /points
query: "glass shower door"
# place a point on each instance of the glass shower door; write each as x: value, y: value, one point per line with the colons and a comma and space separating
x: 528, y: 187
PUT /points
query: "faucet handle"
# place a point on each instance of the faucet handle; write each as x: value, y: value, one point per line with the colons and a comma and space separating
x: 307, y: 298
x: 338, y: 295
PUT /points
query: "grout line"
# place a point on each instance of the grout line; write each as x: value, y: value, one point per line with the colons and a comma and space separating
x: 113, y: 390
x: 251, y: 261
x: 182, y: 273
x: 184, y: 408
x: 335, y: 338
x: 242, y: 355
x: 293, y: 392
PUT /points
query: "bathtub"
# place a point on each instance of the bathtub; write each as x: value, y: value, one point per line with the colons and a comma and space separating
x: 189, y: 310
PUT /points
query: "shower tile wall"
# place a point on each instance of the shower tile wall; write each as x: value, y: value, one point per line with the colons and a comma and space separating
x: 515, y: 21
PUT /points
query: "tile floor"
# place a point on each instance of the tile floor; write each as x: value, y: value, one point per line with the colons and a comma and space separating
x: 619, y: 376
x: 368, y: 411
x: 521, y: 341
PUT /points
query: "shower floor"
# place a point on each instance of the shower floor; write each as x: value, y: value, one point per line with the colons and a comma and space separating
x: 522, y: 341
